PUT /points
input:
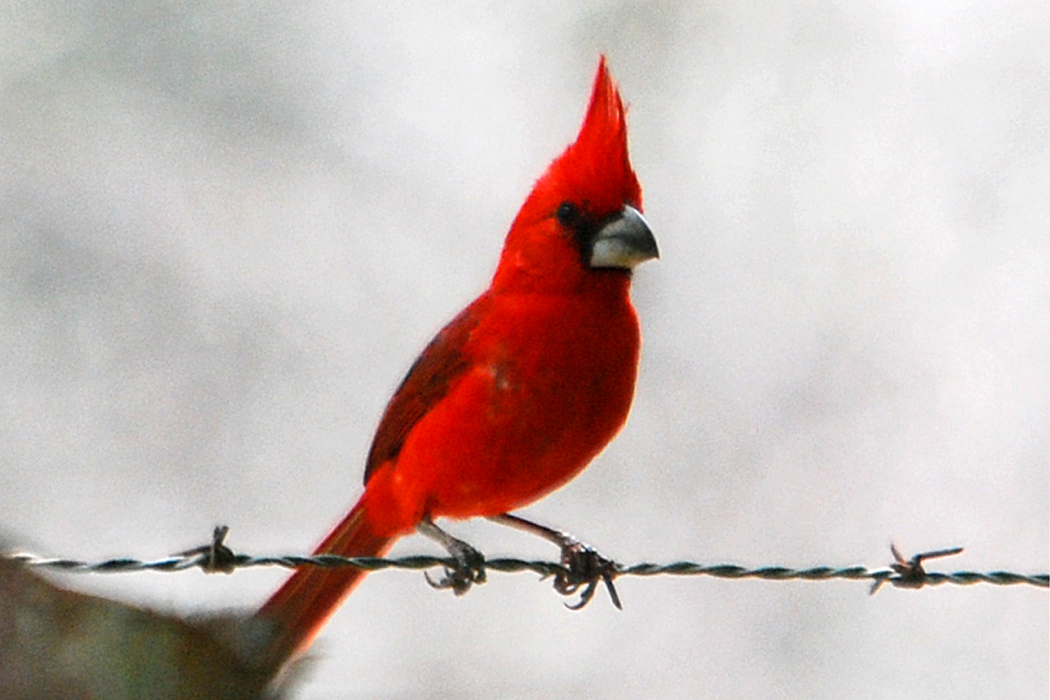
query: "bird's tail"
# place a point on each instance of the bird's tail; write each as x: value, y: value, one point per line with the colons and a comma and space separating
x: 301, y: 606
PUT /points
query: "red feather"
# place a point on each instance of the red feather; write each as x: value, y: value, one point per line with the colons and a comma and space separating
x: 431, y: 376
x: 520, y: 391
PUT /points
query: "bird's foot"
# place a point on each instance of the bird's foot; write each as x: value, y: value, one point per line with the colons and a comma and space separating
x: 469, y: 569
x: 468, y: 564
x: 584, y: 568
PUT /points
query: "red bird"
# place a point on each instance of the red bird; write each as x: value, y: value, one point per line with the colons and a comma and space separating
x: 520, y: 391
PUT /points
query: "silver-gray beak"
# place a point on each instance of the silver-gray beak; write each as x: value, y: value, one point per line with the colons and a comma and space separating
x: 624, y: 242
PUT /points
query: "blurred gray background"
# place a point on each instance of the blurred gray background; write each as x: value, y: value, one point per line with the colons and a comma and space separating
x: 227, y: 228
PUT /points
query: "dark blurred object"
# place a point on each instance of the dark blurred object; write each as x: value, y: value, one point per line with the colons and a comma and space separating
x: 56, y: 643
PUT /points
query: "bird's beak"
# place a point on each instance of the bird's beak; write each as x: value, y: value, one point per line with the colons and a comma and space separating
x: 624, y: 242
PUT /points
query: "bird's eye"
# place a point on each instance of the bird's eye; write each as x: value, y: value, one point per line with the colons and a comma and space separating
x: 567, y: 213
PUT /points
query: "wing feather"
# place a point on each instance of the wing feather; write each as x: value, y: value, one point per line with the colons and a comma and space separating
x: 437, y: 369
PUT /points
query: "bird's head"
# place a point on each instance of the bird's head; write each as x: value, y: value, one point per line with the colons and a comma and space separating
x: 583, y: 215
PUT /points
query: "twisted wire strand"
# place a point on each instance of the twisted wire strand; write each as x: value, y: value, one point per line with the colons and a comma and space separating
x: 228, y: 562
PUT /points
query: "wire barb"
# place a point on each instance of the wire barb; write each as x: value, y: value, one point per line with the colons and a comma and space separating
x: 911, y: 573
x: 217, y: 557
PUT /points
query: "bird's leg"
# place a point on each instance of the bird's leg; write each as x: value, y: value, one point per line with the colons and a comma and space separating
x: 469, y: 562
x: 583, y: 566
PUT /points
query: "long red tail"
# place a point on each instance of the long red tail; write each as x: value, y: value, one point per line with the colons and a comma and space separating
x: 302, y: 605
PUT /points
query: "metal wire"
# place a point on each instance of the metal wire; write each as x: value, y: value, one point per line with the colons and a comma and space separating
x: 903, y: 574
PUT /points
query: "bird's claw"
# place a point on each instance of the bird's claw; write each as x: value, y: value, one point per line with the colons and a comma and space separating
x: 583, y: 567
x: 468, y: 569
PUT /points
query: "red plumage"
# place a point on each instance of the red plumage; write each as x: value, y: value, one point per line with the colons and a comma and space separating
x: 524, y: 387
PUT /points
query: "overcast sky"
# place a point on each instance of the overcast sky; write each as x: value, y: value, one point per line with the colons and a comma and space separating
x: 227, y: 228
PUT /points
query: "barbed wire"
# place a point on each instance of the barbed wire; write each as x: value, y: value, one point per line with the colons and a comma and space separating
x: 217, y: 557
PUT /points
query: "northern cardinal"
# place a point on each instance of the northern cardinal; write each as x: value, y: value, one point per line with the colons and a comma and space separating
x: 521, y: 390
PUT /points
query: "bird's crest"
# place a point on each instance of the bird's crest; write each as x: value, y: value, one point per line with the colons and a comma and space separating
x: 595, y: 170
